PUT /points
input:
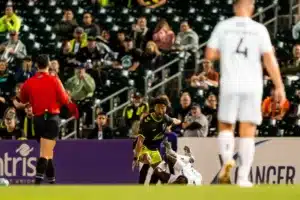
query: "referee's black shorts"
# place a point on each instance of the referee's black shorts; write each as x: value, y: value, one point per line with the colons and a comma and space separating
x: 48, y: 127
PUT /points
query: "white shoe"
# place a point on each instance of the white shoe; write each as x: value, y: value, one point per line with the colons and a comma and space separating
x: 244, y: 183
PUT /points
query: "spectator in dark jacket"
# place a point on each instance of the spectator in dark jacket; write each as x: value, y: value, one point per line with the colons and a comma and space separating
x: 102, y: 130
x: 141, y: 34
x: 64, y: 29
x: 90, y: 28
x: 26, y: 71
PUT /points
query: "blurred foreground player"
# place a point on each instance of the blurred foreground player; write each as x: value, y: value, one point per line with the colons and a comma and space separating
x: 46, y: 94
x: 239, y: 43
x: 151, y: 134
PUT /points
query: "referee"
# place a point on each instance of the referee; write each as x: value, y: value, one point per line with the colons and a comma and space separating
x: 46, y: 94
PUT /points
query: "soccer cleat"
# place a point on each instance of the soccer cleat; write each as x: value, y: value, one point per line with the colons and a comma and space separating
x: 224, y: 175
x: 244, y: 183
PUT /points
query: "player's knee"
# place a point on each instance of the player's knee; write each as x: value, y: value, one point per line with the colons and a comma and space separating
x: 181, y: 180
x: 247, y: 129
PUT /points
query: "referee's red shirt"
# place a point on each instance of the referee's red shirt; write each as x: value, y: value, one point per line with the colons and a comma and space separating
x: 44, y: 92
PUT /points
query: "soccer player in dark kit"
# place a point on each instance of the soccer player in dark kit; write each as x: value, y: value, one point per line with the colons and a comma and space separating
x: 151, y: 133
x: 46, y: 94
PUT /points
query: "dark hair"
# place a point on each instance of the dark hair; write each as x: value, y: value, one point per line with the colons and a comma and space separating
x: 161, y: 100
x: 101, y: 114
x: 42, y: 61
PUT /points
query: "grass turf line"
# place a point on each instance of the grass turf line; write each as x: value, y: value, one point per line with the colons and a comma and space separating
x: 262, y: 192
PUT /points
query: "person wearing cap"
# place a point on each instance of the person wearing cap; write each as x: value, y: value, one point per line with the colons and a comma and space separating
x: 46, y: 94
x: 10, y: 21
x: 79, y: 41
x: 81, y: 85
x: 89, y: 52
x: 65, y: 28
x: 152, y: 131
x: 135, y: 111
x: 13, y: 49
x: 195, y: 124
x: 9, y: 129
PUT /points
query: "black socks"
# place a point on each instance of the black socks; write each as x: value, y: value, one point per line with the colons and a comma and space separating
x: 50, y: 172
x: 41, y: 167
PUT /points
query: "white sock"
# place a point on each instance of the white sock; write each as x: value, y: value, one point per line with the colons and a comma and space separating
x: 226, y: 145
x: 246, y: 153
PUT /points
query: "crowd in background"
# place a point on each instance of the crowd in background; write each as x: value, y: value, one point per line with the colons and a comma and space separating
x: 91, y: 60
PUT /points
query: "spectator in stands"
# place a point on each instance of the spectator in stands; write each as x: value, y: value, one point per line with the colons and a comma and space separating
x: 185, y: 106
x: 117, y: 46
x: 27, y: 124
x: 129, y: 57
x: 10, y: 21
x: 209, y: 77
x: 16, y: 103
x: 13, y: 50
x: 102, y: 129
x: 105, y: 37
x: 141, y: 34
x: 163, y: 35
x: 90, y: 28
x: 195, y: 124
x: 135, y: 111
x: 7, y: 85
x: 81, y: 85
x: 151, y: 58
x: 187, y: 39
x: 26, y: 71
x: 151, y: 3
x: 65, y: 28
x: 54, y: 68
x: 293, y: 66
x: 90, y: 52
x: 273, y: 109
x: 9, y: 129
x: 210, y: 111
x: 78, y: 42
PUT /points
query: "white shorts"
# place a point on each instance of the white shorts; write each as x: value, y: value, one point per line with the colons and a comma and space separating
x: 242, y: 107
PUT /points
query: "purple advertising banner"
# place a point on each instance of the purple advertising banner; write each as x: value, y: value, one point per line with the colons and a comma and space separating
x: 76, y: 162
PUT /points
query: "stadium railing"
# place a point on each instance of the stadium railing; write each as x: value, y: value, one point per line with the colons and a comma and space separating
x: 180, y: 60
x: 64, y: 126
x: 112, y: 106
x: 293, y: 7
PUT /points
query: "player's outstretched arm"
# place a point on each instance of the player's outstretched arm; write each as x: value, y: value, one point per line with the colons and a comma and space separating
x: 272, y: 68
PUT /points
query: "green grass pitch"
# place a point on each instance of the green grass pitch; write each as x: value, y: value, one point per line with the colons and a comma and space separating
x: 263, y: 192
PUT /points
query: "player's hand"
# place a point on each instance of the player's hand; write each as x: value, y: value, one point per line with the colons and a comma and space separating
x: 279, y: 95
x: 176, y: 121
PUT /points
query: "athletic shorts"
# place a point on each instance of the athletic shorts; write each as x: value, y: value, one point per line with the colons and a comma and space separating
x: 242, y: 107
x: 154, y: 155
x: 47, y: 128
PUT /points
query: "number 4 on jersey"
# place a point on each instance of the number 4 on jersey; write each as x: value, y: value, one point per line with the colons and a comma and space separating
x: 240, y: 51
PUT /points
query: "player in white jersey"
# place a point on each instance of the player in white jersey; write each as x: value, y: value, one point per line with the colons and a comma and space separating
x: 183, y: 166
x: 240, y: 43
